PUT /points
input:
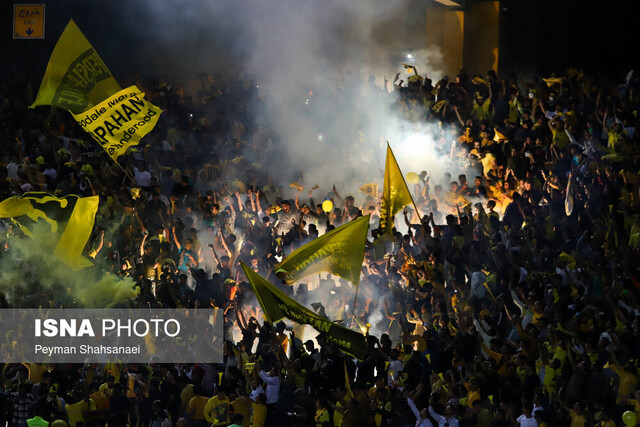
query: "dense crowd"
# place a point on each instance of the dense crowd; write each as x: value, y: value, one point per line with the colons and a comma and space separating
x: 513, y: 300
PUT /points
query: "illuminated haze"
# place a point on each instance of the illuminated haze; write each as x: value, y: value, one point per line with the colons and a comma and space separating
x: 292, y: 48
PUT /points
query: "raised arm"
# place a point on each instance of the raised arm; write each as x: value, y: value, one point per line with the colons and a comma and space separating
x: 97, y: 250
x: 144, y: 239
x: 455, y: 109
x: 215, y: 255
x: 240, y: 205
x: 297, y: 199
x: 175, y: 238
x: 224, y: 243
x: 258, y: 201
x: 414, y: 409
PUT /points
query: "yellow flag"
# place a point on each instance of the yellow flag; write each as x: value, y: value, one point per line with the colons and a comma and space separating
x: 76, y: 78
x: 409, y: 68
x: 370, y: 189
x: 438, y: 106
x: 347, y: 383
x: 553, y: 80
x: 499, y: 137
x: 71, y: 217
x: 339, y: 252
x: 480, y: 81
x: 296, y: 186
x: 120, y: 121
x: 395, y: 194
x: 568, y: 199
x: 277, y: 305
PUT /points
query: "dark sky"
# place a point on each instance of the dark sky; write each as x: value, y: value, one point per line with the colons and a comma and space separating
x: 536, y: 35
x: 551, y: 35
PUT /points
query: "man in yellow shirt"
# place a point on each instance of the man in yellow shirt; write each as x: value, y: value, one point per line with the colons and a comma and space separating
x: 241, y: 405
x: 78, y: 410
x: 259, y: 411
x: 216, y: 411
x: 107, y: 387
x: 560, y: 137
x: 322, y: 417
x: 195, y: 407
x: 101, y: 401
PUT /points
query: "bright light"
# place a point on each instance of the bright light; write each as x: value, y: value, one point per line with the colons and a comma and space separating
x: 320, y: 137
x: 409, y: 56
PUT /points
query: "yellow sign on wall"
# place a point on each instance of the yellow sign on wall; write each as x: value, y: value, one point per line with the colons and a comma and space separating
x: 28, y: 21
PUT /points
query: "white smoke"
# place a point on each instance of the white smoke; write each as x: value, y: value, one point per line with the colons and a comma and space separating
x: 312, y: 61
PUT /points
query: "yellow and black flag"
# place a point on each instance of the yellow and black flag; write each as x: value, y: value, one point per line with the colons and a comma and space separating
x: 553, y: 80
x: 77, y: 80
x: 277, y: 305
x: 338, y: 252
x: 395, y: 194
x: 410, y: 68
x: 370, y: 189
x: 70, y: 218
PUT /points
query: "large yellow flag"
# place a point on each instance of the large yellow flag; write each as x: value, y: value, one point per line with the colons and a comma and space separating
x: 120, y: 121
x: 339, y: 252
x: 395, y: 194
x: 277, y: 305
x: 70, y: 217
x: 76, y: 78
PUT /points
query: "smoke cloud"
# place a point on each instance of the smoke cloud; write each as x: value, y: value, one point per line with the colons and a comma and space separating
x: 312, y: 62
x: 32, y: 276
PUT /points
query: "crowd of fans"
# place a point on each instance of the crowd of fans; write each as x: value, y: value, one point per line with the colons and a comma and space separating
x: 512, y: 301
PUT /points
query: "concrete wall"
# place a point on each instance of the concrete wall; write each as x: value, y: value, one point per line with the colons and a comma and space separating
x: 481, y: 37
x: 445, y: 31
x: 468, y: 39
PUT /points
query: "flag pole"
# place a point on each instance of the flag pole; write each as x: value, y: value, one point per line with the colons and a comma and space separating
x: 417, y: 211
x: 125, y: 172
x: 355, y: 300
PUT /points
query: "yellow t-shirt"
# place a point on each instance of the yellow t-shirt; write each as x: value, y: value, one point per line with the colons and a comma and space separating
x: 112, y: 368
x: 337, y: 415
x: 454, y: 199
x: 561, y: 355
x: 104, y: 389
x: 258, y: 414
x: 35, y: 371
x: 242, y: 406
x: 76, y: 411
x: 322, y: 416
x: 101, y: 400
x: 577, y: 420
x: 216, y: 411
x: 472, y: 396
x: 186, y: 395
x: 615, y: 140
x: 628, y: 382
x: 560, y: 139
x: 482, y: 111
x: 549, y: 381
x: 195, y: 407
